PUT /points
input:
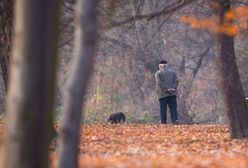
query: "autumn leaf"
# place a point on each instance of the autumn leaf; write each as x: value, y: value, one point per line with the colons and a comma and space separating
x: 154, y: 145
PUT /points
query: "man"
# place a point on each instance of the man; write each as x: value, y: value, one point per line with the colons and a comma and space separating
x: 166, y: 86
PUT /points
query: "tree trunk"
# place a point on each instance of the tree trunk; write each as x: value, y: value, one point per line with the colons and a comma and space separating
x: 84, y: 51
x: 6, y: 15
x: 136, y: 64
x: 232, y: 88
x: 32, y: 79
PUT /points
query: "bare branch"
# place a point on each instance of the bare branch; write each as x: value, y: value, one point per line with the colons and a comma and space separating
x: 166, y: 10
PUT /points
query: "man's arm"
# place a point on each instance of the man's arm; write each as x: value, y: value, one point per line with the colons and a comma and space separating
x: 175, y: 81
x: 158, y: 80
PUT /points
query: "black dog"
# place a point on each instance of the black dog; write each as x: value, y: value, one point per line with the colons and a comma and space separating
x: 116, y: 118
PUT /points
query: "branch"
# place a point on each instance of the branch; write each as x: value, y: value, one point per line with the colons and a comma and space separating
x: 199, y: 62
x: 167, y: 10
x: 114, y: 41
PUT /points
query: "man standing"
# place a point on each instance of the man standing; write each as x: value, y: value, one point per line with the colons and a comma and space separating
x: 166, y: 86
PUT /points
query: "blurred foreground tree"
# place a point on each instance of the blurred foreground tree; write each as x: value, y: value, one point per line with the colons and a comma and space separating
x: 6, y: 15
x: 84, y: 51
x: 31, y: 85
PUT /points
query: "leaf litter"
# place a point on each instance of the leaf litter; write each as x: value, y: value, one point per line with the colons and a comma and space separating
x: 156, y: 145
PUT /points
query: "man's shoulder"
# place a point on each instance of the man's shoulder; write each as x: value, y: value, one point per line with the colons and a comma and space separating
x: 162, y: 71
x: 171, y: 70
x: 165, y: 71
x: 158, y: 71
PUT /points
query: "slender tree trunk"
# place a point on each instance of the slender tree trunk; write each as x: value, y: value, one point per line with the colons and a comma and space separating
x: 232, y: 88
x: 84, y: 51
x: 32, y: 79
x: 136, y: 64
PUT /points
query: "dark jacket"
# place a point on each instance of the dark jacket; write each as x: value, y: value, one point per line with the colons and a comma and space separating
x: 165, y: 79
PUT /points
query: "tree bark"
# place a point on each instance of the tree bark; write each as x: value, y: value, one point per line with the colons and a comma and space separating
x: 232, y: 88
x: 84, y: 51
x: 32, y: 81
x: 6, y: 15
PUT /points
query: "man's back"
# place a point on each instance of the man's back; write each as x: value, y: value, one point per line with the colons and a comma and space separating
x: 165, y: 79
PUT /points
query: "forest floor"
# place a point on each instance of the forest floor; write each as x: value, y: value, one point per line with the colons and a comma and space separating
x: 157, y: 146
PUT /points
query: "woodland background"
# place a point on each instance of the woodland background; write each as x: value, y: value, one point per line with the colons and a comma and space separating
x: 127, y: 58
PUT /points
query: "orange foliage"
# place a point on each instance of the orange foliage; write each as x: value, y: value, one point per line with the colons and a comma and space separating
x: 158, y: 146
x: 234, y: 22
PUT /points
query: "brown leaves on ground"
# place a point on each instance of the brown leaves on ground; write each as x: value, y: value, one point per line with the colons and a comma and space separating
x: 158, y: 146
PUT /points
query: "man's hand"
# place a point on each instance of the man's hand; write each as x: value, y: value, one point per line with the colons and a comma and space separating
x: 171, y: 90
